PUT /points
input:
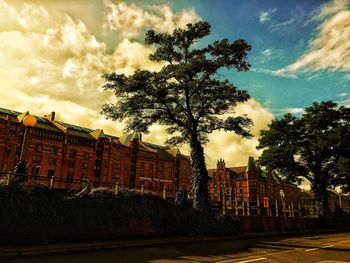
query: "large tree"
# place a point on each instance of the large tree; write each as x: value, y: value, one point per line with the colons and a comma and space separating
x: 187, y: 95
x: 313, y: 146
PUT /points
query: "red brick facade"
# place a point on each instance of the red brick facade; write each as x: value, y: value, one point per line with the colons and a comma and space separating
x: 68, y: 153
x: 247, y: 190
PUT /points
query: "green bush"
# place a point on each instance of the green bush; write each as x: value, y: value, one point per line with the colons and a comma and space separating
x: 41, y: 215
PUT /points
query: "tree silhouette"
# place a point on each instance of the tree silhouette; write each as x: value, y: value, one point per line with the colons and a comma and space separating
x: 186, y: 95
x: 313, y: 146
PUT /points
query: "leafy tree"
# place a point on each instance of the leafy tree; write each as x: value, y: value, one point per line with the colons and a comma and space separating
x: 341, y: 175
x: 312, y: 147
x: 186, y: 95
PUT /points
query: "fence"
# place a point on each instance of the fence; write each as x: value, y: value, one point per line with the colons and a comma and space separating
x: 236, y: 205
x: 75, y: 185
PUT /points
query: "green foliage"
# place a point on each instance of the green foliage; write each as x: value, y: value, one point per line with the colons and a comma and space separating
x: 183, y: 95
x: 40, y: 215
x: 186, y: 95
x: 313, y: 146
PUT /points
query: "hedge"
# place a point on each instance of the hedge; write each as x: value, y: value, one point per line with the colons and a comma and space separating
x: 40, y: 215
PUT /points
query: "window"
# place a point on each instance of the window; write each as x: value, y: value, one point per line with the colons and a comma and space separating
x: 142, y: 169
x: 54, y: 149
x: 116, y: 166
x: 69, y: 175
x: 170, y: 170
x: 72, y: 154
x: 151, y: 169
x: 50, y: 173
x: 35, y: 171
x: 115, y: 176
x: 85, y: 155
x: 38, y: 148
x: 36, y: 159
x: 8, y: 151
x: 52, y: 160
x: 71, y: 164
x: 117, y: 156
x: 161, y: 172
x: 84, y: 165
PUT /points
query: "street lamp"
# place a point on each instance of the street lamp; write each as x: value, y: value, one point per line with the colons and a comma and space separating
x: 20, y: 169
x: 283, y: 202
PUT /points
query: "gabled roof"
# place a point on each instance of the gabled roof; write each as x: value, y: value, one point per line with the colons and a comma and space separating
x: 53, y: 125
x: 238, y: 170
x: 97, y: 134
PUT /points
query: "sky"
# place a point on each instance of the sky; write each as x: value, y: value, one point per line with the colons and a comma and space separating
x: 52, y: 55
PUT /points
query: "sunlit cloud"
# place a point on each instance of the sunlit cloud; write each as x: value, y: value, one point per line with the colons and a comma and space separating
x: 233, y: 148
x: 129, y: 19
x: 51, y: 60
x: 330, y: 50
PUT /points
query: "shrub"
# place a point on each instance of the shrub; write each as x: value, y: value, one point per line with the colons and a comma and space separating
x: 41, y: 215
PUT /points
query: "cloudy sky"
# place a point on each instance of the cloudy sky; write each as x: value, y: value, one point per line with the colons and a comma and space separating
x: 52, y: 54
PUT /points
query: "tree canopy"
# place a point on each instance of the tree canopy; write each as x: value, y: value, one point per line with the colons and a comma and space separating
x: 315, y: 146
x: 186, y: 95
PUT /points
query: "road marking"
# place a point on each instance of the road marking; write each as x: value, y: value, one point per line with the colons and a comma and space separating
x: 251, y: 260
x: 316, y: 248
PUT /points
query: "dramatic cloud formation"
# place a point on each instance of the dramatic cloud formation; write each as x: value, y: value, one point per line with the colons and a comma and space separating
x: 330, y: 50
x: 51, y: 60
x: 129, y: 20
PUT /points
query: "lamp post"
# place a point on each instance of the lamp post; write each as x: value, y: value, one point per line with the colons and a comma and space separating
x: 20, y: 169
x: 283, y: 202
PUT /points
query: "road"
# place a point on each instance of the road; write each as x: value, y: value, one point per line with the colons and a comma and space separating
x: 325, y: 248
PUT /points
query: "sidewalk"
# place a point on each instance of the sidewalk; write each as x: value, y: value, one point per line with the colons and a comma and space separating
x: 65, y: 248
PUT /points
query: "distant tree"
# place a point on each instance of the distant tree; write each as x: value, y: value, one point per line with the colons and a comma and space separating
x: 312, y: 146
x: 186, y: 95
x: 341, y: 175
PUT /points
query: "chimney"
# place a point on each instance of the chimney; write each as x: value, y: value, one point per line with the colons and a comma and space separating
x: 52, y: 116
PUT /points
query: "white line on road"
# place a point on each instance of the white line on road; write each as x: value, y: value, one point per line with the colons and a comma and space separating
x: 251, y: 260
x: 316, y: 248
x: 245, y: 261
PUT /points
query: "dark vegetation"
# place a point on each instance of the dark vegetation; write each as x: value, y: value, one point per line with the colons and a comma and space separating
x: 40, y: 215
x: 314, y: 146
x: 188, y: 95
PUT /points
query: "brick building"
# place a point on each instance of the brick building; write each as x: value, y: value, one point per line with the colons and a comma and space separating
x: 69, y: 153
x: 247, y: 190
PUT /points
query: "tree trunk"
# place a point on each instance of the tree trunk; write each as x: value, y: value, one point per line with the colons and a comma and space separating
x: 319, y: 188
x: 200, y: 178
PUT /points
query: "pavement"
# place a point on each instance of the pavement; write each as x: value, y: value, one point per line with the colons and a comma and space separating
x: 68, y: 248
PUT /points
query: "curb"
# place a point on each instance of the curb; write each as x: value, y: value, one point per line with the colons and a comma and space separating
x: 44, y: 250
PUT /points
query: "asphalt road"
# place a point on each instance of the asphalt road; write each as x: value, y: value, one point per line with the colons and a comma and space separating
x: 325, y: 248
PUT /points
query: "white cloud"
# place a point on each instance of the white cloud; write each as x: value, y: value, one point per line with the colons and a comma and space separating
x: 265, y: 16
x: 266, y: 52
x: 282, y: 25
x: 279, y: 112
x: 129, y: 19
x: 274, y: 72
x: 52, y: 61
x: 268, y: 55
x: 330, y: 50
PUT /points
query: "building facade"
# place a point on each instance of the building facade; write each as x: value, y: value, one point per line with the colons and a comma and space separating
x: 64, y: 155
x: 247, y: 190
